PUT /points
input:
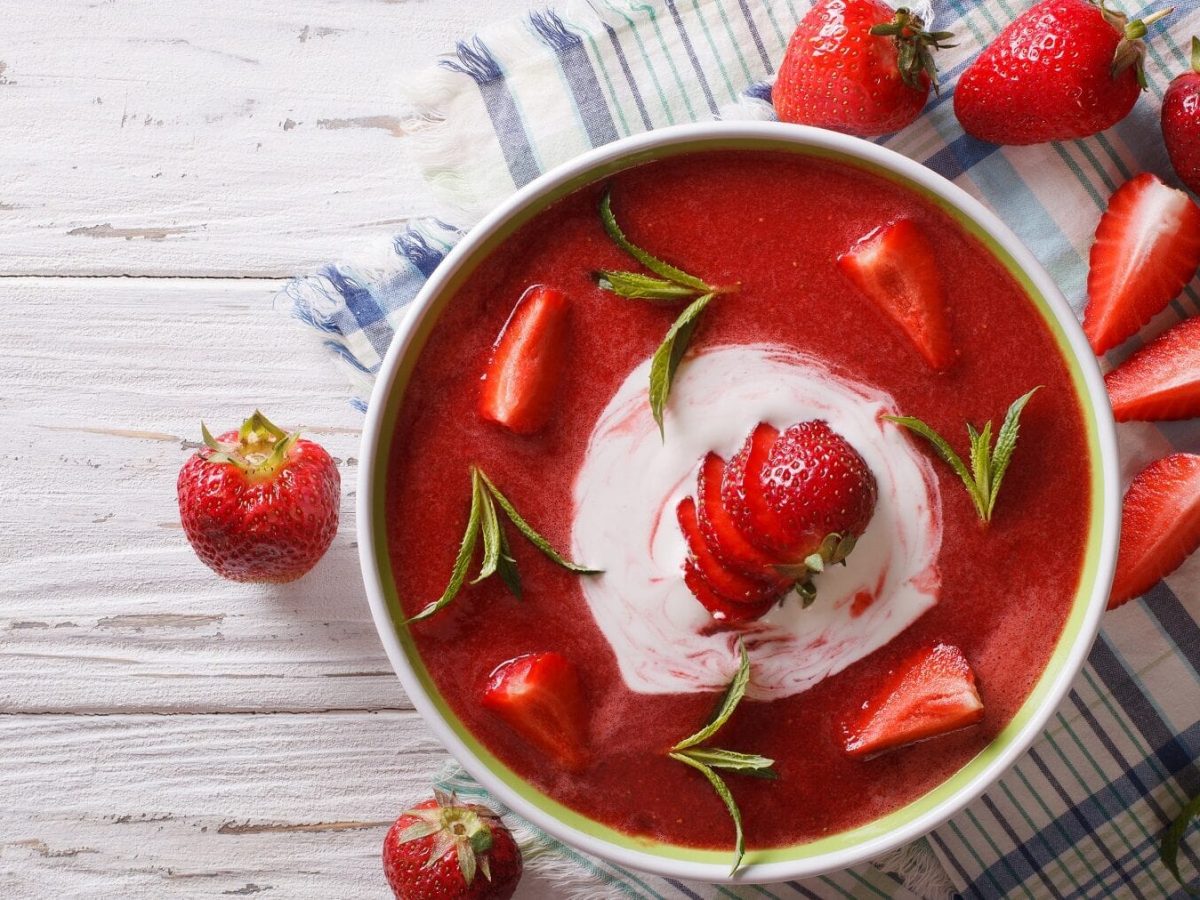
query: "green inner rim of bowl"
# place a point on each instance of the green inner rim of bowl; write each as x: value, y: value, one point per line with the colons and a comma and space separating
x: 832, y: 843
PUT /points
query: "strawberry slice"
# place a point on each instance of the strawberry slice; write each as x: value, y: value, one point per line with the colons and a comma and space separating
x: 1160, y: 525
x: 742, y: 493
x: 539, y: 696
x: 720, y: 532
x: 522, y: 377
x: 1147, y: 248
x: 722, y: 610
x: 729, y: 584
x: 931, y: 694
x: 895, y: 267
x: 1162, y: 380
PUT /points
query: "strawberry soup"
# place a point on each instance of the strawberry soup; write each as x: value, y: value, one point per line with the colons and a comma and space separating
x: 796, y: 364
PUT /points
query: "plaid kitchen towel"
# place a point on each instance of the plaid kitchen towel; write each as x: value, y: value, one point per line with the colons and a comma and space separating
x: 1081, y: 815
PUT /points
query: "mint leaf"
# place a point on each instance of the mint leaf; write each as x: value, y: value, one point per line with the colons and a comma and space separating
x: 946, y: 452
x: 507, y: 567
x: 746, y: 763
x: 462, y: 561
x: 489, y: 526
x: 1006, y: 443
x: 655, y: 265
x: 666, y: 359
x: 733, y: 696
x: 642, y: 287
x: 981, y: 456
x: 532, y: 536
x: 1169, y: 852
x: 739, y: 849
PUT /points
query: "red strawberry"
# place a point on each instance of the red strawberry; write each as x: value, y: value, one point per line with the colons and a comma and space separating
x: 258, y: 504
x: 931, y: 694
x: 857, y: 66
x: 1181, y: 122
x: 815, y: 484
x: 1162, y: 380
x: 720, y: 532
x: 522, y: 377
x: 729, y: 584
x: 896, y: 269
x: 1147, y: 248
x: 1063, y: 69
x: 741, y: 488
x: 540, y: 698
x: 450, y: 850
x: 1160, y: 525
x: 722, y: 610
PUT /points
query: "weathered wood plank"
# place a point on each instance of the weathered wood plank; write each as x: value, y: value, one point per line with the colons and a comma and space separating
x: 226, y: 137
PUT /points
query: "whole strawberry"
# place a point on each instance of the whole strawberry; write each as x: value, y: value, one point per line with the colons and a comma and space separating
x: 258, y: 504
x: 443, y: 849
x: 1063, y: 69
x: 1181, y: 122
x: 857, y: 66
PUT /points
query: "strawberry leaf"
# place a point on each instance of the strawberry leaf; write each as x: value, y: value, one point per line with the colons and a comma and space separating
x: 723, y: 792
x: 531, y: 535
x: 1006, y: 443
x: 729, y: 702
x: 1169, y: 852
x: 653, y: 263
x: 666, y: 359
x: 462, y: 561
x: 642, y: 287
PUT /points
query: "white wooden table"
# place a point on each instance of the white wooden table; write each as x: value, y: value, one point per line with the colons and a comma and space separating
x: 164, y: 164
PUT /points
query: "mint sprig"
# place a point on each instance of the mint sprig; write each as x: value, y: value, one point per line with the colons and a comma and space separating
x: 484, y: 523
x: 988, y: 464
x: 672, y: 285
x: 706, y: 760
x: 1169, y: 851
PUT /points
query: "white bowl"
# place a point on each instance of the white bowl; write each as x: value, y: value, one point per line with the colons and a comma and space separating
x: 874, y: 838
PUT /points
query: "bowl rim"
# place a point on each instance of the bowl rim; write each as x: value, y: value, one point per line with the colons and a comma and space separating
x: 1104, y: 472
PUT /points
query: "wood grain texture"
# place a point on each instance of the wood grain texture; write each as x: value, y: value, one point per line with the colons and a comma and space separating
x: 224, y: 137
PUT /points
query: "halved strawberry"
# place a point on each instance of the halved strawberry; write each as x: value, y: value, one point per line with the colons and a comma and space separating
x: 1160, y: 525
x: 722, y: 610
x: 741, y: 489
x: 721, y: 532
x: 729, y: 584
x: 522, y: 377
x: 895, y: 267
x: 540, y: 698
x: 1162, y: 380
x: 1147, y: 249
x: 931, y: 694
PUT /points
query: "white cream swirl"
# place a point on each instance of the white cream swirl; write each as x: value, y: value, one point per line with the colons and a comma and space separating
x: 630, y: 482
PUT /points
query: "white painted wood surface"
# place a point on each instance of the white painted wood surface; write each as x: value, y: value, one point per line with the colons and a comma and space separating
x: 162, y: 732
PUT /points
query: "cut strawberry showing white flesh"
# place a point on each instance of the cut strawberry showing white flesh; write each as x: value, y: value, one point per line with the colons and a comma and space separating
x: 931, y: 694
x: 1160, y: 525
x: 521, y: 381
x: 1147, y: 249
x: 541, y: 699
x: 1162, y: 380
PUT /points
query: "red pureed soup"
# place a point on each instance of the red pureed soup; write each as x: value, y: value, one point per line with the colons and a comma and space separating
x: 798, y: 338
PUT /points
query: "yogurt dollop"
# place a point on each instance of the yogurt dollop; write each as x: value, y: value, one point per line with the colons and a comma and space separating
x: 631, y: 481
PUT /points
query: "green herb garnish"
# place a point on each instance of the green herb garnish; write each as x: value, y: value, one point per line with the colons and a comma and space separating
x: 482, y: 521
x: 672, y: 285
x: 1169, y: 852
x: 706, y: 760
x: 988, y: 464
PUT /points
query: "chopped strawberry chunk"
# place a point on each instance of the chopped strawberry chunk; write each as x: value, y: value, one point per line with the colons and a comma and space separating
x: 1147, y: 249
x: 742, y: 493
x: 729, y: 584
x: 722, y: 610
x: 539, y: 696
x: 720, y: 532
x: 895, y: 267
x: 1162, y: 380
x: 521, y: 381
x: 931, y: 694
x: 1160, y: 525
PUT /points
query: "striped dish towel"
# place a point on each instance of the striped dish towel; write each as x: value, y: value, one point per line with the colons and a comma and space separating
x: 1081, y: 815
